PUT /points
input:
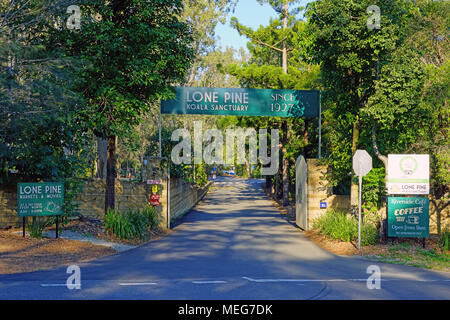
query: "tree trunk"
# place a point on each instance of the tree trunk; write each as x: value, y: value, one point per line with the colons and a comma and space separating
x: 110, y: 173
x: 268, y: 183
x: 306, y: 140
x: 247, y: 167
x: 384, y: 159
x: 284, y: 52
x: 284, y: 125
x: 354, y: 186
x: 102, y: 152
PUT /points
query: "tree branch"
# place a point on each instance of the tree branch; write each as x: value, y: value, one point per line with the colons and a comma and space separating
x: 383, y: 158
x: 268, y: 45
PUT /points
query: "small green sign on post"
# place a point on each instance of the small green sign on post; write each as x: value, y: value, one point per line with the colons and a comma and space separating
x: 40, y: 199
x: 408, y: 217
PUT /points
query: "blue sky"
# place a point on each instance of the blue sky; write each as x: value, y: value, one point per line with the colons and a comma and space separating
x: 250, y: 13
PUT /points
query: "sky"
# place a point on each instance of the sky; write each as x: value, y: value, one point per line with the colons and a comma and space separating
x: 249, y: 13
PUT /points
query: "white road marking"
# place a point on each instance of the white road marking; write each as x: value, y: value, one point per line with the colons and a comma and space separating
x: 301, y: 280
x: 137, y: 283
x: 53, y: 285
x: 207, y: 282
x: 338, y: 280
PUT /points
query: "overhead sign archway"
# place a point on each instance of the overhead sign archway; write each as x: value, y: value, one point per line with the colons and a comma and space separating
x: 244, y: 102
x: 248, y: 102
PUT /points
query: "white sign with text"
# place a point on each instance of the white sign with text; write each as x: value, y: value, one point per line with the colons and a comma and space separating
x: 408, y: 174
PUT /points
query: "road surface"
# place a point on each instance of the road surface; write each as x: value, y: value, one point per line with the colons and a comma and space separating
x: 232, y: 245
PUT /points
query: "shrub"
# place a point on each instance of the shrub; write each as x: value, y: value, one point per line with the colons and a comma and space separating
x: 341, y: 226
x: 153, y: 218
x: 444, y: 240
x: 37, y: 224
x: 132, y: 224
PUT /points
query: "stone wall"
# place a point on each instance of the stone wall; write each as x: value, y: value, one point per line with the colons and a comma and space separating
x: 128, y: 195
x: 318, y: 192
x: 8, y: 207
x: 183, y: 196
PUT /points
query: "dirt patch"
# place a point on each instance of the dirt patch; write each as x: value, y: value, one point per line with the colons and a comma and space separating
x: 18, y: 254
x: 342, y: 247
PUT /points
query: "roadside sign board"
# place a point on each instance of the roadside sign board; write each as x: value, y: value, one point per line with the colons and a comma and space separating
x: 408, y: 217
x: 362, y: 162
x: 154, y: 199
x: 243, y: 102
x: 40, y: 199
x: 408, y: 174
x: 158, y: 181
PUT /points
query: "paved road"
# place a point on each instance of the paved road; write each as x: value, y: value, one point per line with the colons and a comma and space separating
x: 233, y: 245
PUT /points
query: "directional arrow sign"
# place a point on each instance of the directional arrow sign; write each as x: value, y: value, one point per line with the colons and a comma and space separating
x: 362, y: 163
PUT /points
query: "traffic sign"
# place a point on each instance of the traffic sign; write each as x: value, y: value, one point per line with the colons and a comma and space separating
x: 154, y: 200
x: 362, y: 163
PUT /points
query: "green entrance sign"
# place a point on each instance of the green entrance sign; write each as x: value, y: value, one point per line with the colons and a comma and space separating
x: 408, y: 217
x: 243, y: 102
x: 40, y: 199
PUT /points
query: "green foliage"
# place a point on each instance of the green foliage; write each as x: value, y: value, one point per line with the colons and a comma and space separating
x: 153, y: 217
x: 341, y: 226
x: 348, y: 53
x: 207, y: 68
x: 39, y: 136
x: 337, y: 225
x: 201, y: 178
x: 373, y: 189
x: 129, y: 58
x: 394, y: 79
x: 36, y: 226
x: 132, y: 224
x: 444, y: 240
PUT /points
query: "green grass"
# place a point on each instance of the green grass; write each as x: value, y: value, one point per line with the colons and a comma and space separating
x: 406, y: 254
x: 132, y: 224
x: 339, y: 225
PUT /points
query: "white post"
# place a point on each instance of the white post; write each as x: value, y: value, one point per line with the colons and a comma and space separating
x: 359, y: 220
x: 168, y: 193
x: 159, y: 130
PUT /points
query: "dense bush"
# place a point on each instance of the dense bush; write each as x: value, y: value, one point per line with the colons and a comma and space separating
x: 444, y: 240
x: 373, y: 189
x: 341, y: 226
x: 132, y: 224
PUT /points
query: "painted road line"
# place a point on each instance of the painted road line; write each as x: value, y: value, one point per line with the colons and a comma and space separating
x: 53, y: 284
x: 302, y: 280
x: 339, y: 280
x: 137, y: 283
x: 209, y: 282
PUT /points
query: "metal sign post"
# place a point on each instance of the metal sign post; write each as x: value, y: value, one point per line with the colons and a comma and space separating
x: 159, y: 131
x: 362, y: 164
x: 320, y: 124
